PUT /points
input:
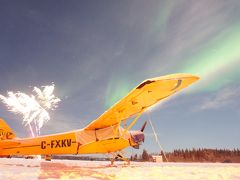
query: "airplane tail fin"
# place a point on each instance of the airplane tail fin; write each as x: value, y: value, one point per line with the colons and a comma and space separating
x: 5, y: 131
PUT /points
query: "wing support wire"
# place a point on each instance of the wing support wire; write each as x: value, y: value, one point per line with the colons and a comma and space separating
x: 156, y: 136
x: 133, y: 122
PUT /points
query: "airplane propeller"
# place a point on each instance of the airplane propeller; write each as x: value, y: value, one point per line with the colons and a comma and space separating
x: 138, y: 136
x: 144, y: 125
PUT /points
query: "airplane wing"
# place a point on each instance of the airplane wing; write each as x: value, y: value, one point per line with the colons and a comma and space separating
x: 146, y: 94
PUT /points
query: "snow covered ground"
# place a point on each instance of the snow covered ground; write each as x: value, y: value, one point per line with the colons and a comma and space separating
x: 15, y: 168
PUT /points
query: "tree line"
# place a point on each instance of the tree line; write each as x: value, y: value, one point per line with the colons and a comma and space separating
x: 178, y: 155
x: 193, y: 155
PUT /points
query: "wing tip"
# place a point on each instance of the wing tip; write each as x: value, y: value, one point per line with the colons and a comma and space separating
x: 176, y: 76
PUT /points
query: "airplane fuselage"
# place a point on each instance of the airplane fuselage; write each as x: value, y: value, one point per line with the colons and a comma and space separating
x: 64, y: 143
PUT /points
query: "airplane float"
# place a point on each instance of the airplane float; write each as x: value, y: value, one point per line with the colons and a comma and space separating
x: 105, y: 134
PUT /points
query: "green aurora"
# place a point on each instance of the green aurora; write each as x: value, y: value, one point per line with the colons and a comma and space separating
x: 217, y: 62
x: 117, y: 89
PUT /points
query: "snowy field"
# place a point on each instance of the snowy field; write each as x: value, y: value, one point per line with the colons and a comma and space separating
x: 15, y: 168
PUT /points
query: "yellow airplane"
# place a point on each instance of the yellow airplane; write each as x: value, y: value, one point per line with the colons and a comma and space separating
x: 105, y: 134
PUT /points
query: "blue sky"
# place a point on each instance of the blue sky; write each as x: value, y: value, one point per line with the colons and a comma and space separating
x: 97, y: 51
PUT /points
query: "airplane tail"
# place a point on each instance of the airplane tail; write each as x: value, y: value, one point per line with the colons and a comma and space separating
x: 5, y: 131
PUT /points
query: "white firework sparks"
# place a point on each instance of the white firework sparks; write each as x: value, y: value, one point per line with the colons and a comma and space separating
x: 34, y: 109
x: 46, y: 97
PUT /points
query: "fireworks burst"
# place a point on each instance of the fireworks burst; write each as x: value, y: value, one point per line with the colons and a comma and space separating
x: 33, y: 108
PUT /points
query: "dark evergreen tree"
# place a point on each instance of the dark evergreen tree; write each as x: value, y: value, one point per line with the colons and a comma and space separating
x: 145, y: 155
